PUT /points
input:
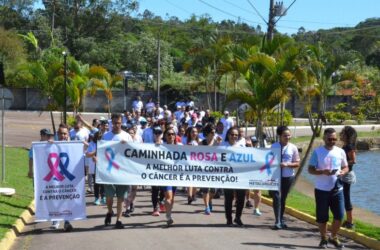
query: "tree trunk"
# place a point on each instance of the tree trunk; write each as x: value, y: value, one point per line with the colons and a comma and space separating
x: 52, y: 121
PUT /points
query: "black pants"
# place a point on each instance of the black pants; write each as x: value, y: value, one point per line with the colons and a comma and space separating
x: 98, y: 188
x: 228, y: 199
x: 157, y: 195
x: 347, y: 196
x: 279, y: 199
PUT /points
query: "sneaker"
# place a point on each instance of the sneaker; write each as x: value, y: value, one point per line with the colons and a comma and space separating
x: 97, y: 202
x: 336, y: 242
x: 127, y: 213
x: 119, y: 225
x: 103, y: 201
x: 277, y: 226
x: 257, y: 212
x: 55, y: 225
x: 207, y: 211
x: 323, y: 243
x: 107, y: 220
x: 283, y: 225
x: 169, y: 222
x: 348, y: 225
x: 131, y: 208
x: 189, y: 200
x: 229, y: 222
x: 248, y: 204
x: 238, y: 222
x: 156, y: 213
x: 67, y: 227
x: 162, y: 208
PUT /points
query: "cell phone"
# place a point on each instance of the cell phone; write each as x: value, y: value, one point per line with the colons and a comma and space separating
x: 334, y: 171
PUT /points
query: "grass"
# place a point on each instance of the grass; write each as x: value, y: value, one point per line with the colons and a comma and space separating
x: 16, y: 162
x: 306, y: 204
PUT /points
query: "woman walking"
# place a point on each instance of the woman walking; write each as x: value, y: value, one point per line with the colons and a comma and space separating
x: 290, y: 160
x: 231, y: 140
x: 348, y: 137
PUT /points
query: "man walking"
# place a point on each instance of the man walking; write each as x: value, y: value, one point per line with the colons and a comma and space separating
x: 117, y: 134
x: 327, y: 163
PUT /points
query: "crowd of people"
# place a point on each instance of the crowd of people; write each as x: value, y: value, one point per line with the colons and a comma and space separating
x: 188, y: 125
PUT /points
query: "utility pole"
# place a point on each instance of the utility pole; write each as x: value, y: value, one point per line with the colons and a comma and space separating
x: 158, y: 67
x: 271, y: 21
x: 64, y: 53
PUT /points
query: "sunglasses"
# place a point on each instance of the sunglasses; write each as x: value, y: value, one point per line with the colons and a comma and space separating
x: 170, y: 134
x: 332, y: 139
x: 234, y: 135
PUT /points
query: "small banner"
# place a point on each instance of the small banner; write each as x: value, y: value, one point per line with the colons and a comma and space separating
x: 183, y: 165
x: 59, y: 181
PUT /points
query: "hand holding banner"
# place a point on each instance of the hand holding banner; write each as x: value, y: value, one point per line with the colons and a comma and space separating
x: 182, y: 165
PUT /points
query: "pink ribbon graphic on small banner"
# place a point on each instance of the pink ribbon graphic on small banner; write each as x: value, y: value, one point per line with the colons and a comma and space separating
x: 110, y: 155
x: 268, y: 162
x: 53, y: 166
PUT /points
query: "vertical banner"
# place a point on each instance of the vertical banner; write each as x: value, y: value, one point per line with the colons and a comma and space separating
x: 59, y: 183
x: 183, y: 165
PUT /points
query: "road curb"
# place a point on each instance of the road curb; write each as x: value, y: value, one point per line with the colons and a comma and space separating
x: 10, y: 237
x: 357, y: 237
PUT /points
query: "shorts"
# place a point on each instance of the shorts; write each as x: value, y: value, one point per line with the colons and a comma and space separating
x: 119, y: 190
x: 168, y: 188
x: 208, y: 190
x: 329, y: 199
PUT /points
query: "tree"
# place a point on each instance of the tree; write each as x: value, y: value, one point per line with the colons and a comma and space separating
x: 12, y: 52
x: 100, y: 78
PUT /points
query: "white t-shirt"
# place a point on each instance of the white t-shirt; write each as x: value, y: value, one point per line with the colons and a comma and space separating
x: 289, y: 154
x: 81, y: 135
x: 327, y: 159
x: 227, y: 123
x: 122, y: 136
x: 137, y: 105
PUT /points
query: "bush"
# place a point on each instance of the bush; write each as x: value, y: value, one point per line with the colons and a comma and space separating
x: 337, y: 118
x: 272, y: 118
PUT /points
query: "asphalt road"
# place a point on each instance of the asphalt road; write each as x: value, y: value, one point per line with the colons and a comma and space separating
x: 22, y: 127
x: 192, y: 229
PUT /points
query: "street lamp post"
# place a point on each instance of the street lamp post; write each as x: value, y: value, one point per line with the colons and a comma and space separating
x: 64, y: 53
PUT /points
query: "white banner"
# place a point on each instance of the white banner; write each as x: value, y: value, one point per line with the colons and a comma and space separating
x: 59, y: 181
x: 183, y: 165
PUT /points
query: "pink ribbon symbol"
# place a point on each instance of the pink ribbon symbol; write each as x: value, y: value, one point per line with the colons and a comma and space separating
x: 53, y: 167
x: 110, y: 155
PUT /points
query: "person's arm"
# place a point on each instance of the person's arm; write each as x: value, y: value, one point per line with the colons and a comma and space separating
x: 85, y: 123
x: 352, y: 157
x: 30, y: 173
x: 294, y: 164
x: 314, y: 171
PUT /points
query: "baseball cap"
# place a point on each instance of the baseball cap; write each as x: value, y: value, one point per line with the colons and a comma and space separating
x: 45, y: 131
x: 226, y: 112
x: 157, y: 130
x: 254, y: 139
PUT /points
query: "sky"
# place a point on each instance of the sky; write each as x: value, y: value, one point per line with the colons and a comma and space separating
x: 310, y: 14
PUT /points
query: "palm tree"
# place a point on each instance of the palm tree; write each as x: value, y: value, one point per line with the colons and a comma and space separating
x: 79, y: 83
x: 320, y: 67
x: 100, y: 78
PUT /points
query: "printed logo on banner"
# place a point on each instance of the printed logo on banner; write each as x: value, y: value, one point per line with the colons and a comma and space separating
x: 110, y: 156
x: 54, y: 162
x: 269, y: 159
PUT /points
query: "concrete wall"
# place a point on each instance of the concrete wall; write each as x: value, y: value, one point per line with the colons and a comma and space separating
x: 31, y: 99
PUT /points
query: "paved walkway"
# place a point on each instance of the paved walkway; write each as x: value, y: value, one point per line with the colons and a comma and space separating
x: 191, y: 230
